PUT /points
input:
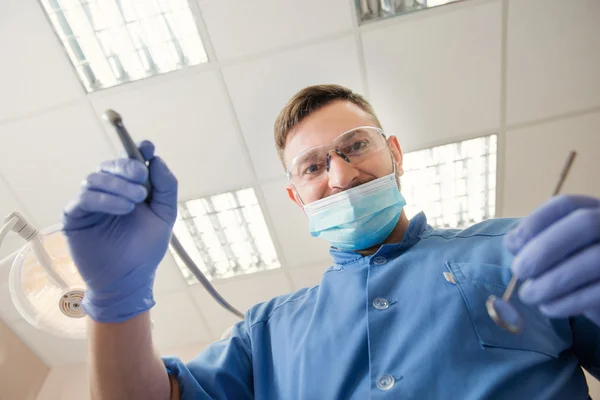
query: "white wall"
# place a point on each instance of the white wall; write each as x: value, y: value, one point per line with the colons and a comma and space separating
x: 68, y: 382
x: 22, y: 373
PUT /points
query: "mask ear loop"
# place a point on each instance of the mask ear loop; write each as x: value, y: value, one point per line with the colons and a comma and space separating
x: 391, y: 152
x: 393, y: 160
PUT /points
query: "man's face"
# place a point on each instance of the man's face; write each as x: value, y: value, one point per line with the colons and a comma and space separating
x: 322, y: 128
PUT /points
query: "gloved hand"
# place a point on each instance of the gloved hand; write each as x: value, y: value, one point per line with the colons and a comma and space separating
x: 116, y: 239
x: 557, y: 252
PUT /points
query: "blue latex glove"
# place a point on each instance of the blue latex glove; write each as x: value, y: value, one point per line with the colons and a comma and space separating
x: 116, y: 239
x: 557, y: 252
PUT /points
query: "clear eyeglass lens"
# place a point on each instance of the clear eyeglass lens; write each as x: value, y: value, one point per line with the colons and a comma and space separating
x: 357, y: 145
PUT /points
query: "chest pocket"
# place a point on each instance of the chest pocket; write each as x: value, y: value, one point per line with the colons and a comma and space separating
x: 476, y: 281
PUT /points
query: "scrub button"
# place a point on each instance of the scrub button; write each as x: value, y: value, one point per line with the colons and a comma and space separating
x: 381, y: 304
x: 385, y: 382
x: 379, y: 260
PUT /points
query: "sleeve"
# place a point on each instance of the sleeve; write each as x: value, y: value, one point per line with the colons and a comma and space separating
x: 586, y: 344
x: 222, y: 371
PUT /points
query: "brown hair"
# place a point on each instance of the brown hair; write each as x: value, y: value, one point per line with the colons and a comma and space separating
x: 309, y: 100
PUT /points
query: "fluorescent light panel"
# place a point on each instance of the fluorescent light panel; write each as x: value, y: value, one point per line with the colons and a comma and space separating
x: 454, y: 184
x: 373, y: 10
x: 111, y: 42
x: 226, y: 235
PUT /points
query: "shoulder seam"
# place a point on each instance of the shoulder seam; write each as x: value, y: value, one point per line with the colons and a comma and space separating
x: 283, y: 304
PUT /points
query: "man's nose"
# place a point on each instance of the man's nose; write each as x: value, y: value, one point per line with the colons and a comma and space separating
x: 341, y: 172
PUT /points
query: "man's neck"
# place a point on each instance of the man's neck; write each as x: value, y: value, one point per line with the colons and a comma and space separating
x: 395, y: 237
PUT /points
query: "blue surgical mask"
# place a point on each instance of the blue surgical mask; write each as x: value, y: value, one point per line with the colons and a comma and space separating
x: 357, y: 218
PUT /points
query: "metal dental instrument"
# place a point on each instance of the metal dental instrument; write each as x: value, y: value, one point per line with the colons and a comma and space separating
x: 132, y: 151
x: 501, y: 310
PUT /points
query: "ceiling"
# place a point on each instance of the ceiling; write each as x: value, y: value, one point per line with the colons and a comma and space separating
x: 433, y: 76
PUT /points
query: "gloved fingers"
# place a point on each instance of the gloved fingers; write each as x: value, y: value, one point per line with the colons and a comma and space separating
x: 113, y: 184
x: 568, y: 235
x: 72, y: 210
x: 75, y: 218
x: 126, y: 168
x: 573, y: 273
x: 583, y: 300
x: 147, y: 149
x: 593, y: 315
x: 100, y: 202
x: 164, y: 195
x: 543, y: 217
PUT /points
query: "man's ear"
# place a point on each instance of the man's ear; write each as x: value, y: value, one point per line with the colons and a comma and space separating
x: 397, y: 153
x: 292, y: 195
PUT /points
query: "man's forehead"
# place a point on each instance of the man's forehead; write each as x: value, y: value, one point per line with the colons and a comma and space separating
x: 323, y: 126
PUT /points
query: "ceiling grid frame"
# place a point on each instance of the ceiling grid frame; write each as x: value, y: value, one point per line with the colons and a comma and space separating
x: 255, y: 184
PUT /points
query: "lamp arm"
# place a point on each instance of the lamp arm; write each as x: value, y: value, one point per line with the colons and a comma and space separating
x: 16, y: 222
x: 8, y: 225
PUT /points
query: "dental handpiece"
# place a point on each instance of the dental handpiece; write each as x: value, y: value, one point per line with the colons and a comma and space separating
x: 114, y: 118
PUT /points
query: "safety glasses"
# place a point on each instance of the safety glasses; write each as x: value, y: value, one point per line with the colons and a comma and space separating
x: 311, y: 166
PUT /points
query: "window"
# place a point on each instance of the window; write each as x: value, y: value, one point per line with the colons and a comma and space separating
x: 370, y: 10
x: 454, y: 184
x: 111, y: 42
x: 226, y: 235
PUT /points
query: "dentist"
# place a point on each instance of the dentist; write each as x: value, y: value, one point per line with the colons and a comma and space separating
x: 399, y: 314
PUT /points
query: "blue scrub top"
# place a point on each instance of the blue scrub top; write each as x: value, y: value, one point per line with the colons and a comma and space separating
x: 408, y: 322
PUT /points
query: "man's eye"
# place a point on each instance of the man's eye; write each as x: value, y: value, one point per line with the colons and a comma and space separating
x: 312, y: 169
x: 358, y: 146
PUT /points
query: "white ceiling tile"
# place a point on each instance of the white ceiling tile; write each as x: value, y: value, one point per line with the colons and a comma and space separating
x: 36, y: 71
x: 168, y: 276
x: 434, y: 78
x: 529, y: 180
x: 217, y: 318
x: 553, y: 58
x: 242, y: 292
x: 308, y: 275
x: 54, y: 351
x: 260, y: 88
x: 9, y: 203
x: 44, y: 158
x: 187, y: 117
x: 177, y: 321
x: 291, y: 227
x: 238, y: 28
